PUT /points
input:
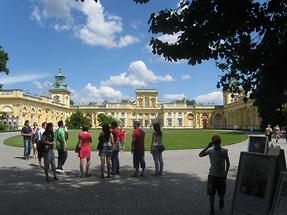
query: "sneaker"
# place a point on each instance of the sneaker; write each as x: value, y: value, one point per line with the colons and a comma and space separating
x: 56, y: 178
x: 221, y: 203
x: 142, y: 174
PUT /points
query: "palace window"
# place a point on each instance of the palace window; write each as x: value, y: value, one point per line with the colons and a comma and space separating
x: 153, y: 102
x: 179, y: 122
x: 123, y: 122
x: 169, y: 122
x: 146, y: 102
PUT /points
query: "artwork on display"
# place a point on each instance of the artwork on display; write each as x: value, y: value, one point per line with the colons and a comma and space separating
x: 280, y: 199
x: 277, y: 151
x: 258, y: 144
x: 254, y: 187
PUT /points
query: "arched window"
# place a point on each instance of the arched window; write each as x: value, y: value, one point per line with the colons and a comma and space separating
x: 146, y: 102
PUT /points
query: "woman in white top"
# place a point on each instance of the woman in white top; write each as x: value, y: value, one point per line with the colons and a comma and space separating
x: 157, y: 149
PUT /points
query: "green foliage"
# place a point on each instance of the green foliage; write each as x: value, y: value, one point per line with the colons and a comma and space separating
x: 3, y: 62
x: 172, y: 139
x: 3, y: 127
x: 77, y: 120
x: 104, y: 119
x: 246, y: 39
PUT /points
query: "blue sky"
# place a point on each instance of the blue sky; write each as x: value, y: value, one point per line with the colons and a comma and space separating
x: 102, y: 49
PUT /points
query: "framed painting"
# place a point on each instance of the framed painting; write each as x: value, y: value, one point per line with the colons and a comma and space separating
x: 279, y: 206
x: 258, y: 144
x: 254, y: 187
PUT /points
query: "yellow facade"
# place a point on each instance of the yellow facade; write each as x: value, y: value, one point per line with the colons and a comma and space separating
x: 233, y: 114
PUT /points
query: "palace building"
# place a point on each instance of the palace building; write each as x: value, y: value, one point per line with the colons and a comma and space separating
x: 19, y: 106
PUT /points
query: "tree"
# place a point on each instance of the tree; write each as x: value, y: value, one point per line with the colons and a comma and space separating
x: 3, y: 62
x: 77, y: 120
x: 246, y: 39
x: 190, y: 102
x: 72, y: 102
x: 104, y: 119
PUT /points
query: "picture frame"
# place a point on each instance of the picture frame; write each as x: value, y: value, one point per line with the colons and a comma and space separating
x: 254, y: 188
x: 258, y: 144
x: 279, y: 206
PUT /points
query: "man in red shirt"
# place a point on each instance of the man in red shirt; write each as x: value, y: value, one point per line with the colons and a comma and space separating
x: 137, y: 149
x: 116, y: 148
x: 122, y: 137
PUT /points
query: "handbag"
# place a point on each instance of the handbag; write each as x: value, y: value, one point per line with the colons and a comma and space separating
x: 161, y: 148
x: 116, y: 147
x: 78, y: 148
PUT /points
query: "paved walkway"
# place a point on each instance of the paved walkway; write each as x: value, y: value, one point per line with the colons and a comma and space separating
x: 182, y: 189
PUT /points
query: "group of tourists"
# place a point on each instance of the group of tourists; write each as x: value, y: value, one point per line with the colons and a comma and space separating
x: 110, y: 142
x: 277, y: 131
x: 43, y: 140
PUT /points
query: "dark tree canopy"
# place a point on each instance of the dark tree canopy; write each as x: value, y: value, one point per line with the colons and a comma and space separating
x: 104, y: 119
x: 77, y: 120
x: 246, y: 38
x: 3, y: 62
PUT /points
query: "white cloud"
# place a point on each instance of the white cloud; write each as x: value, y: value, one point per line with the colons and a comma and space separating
x: 99, y: 27
x: 169, y: 38
x: 42, y: 85
x: 36, y: 15
x: 172, y: 97
x: 215, y: 97
x: 138, y: 75
x: 185, y: 77
x: 127, y: 40
x: 59, y: 27
x: 21, y: 78
x: 91, y: 93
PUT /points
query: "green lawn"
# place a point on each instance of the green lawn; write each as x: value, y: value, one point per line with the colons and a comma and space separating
x: 172, y: 139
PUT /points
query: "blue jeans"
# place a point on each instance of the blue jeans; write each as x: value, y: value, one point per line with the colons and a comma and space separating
x: 158, y: 161
x: 27, y: 147
x: 115, y: 162
x: 49, y: 159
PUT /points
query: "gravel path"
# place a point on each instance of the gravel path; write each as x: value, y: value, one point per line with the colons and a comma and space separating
x: 182, y: 189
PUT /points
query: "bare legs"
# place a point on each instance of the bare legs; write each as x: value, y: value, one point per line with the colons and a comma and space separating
x: 108, y: 161
x: 82, y: 167
x: 35, y: 150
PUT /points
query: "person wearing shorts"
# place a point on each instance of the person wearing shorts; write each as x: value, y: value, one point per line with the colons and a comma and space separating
x: 219, y: 167
x: 85, y: 139
x: 106, y: 140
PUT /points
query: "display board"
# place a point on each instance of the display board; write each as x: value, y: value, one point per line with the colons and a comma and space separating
x: 258, y: 144
x: 279, y: 206
x: 254, y: 187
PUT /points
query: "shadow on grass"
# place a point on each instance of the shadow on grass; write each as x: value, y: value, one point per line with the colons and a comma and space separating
x: 24, y: 191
